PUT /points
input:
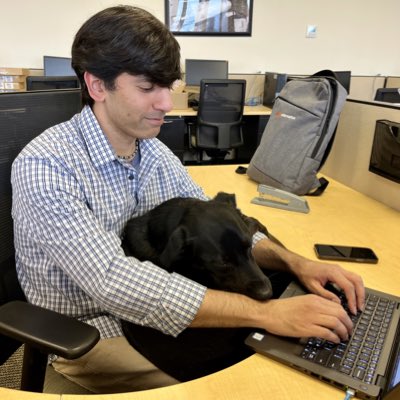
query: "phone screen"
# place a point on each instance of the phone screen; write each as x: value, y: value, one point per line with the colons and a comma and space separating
x: 345, y: 253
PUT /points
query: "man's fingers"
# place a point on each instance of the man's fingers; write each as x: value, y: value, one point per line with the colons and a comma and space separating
x: 338, y: 327
x: 335, y: 318
x: 353, y: 288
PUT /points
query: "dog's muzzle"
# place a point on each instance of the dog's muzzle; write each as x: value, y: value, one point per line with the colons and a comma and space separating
x: 260, y: 289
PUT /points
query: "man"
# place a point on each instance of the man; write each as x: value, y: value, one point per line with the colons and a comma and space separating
x: 76, y: 185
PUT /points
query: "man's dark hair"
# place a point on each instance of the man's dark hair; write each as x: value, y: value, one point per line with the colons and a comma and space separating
x: 125, y: 39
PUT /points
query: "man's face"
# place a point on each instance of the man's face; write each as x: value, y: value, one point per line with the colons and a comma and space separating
x: 135, y: 108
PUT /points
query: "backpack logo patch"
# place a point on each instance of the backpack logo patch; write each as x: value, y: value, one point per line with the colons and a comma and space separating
x: 282, y: 115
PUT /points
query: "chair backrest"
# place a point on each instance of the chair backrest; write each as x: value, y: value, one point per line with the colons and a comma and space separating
x: 23, y: 116
x: 388, y: 95
x: 220, y: 113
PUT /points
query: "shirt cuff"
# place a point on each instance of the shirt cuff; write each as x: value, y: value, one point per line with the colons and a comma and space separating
x: 179, y: 305
x: 258, y: 236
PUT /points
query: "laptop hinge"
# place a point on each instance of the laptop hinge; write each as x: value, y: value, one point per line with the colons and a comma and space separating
x: 381, y: 381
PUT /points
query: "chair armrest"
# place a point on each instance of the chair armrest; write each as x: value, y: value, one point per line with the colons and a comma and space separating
x: 47, y: 330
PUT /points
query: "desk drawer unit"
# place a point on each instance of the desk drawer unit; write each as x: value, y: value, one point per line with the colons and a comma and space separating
x: 172, y: 133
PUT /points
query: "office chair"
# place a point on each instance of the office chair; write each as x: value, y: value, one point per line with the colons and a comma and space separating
x: 388, y: 95
x: 219, y: 118
x: 41, y: 331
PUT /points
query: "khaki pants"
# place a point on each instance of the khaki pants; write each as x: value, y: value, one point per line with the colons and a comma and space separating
x: 113, y: 366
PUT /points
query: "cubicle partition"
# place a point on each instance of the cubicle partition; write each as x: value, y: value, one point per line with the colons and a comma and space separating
x: 364, y: 87
x: 393, y: 82
x: 349, y: 159
x: 361, y: 87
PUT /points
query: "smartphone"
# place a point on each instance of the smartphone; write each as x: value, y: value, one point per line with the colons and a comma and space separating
x: 345, y: 253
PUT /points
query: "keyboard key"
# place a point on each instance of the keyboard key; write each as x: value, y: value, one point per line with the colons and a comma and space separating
x: 359, y: 373
x: 334, y: 362
x: 345, y: 370
x: 323, y: 357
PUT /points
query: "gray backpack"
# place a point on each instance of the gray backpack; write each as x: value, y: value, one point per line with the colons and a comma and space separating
x: 299, y: 134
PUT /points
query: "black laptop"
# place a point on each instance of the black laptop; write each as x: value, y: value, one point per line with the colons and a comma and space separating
x: 368, y: 363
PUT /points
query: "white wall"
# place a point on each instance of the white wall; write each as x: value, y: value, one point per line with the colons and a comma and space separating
x: 360, y: 35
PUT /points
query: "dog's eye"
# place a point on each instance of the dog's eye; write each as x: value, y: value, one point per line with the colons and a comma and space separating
x: 224, y: 264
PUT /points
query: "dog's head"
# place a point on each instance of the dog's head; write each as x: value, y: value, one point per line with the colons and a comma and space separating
x: 212, y: 245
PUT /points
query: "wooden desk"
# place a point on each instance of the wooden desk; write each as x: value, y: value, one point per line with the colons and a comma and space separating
x: 340, y: 215
x: 248, y: 110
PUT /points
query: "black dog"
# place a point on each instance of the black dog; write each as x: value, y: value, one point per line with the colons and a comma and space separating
x: 209, y: 242
x: 206, y: 241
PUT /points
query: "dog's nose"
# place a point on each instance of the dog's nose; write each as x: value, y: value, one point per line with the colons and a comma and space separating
x: 260, y: 290
x: 263, y: 294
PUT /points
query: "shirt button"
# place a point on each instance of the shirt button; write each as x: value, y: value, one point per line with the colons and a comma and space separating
x: 131, y: 177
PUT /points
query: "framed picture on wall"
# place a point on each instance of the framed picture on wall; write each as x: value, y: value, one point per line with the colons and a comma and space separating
x: 209, y: 17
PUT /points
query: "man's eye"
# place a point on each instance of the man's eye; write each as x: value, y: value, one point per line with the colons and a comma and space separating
x: 147, y: 88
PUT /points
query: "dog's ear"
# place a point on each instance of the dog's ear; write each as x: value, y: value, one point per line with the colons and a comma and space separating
x: 174, y: 247
x: 254, y: 225
x: 226, y: 198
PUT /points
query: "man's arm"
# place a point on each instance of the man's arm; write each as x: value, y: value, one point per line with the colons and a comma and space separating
x: 301, y: 316
x: 318, y: 314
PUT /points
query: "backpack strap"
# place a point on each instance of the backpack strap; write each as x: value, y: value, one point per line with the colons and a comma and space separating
x: 323, y: 185
x: 326, y: 73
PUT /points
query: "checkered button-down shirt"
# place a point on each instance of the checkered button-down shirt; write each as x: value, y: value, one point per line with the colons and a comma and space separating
x: 71, y: 200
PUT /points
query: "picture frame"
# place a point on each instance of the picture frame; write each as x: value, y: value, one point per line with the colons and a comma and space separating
x: 209, y: 17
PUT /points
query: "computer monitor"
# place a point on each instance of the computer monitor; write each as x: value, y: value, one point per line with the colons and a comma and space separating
x: 344, y: 78
x: 273, y: 84
x: 196, y: 70
x: 388, y: 95
x: 57, y: 66
x: 51, y: 82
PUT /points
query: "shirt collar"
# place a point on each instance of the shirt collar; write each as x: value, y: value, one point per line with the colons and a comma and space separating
x: 99, y: 148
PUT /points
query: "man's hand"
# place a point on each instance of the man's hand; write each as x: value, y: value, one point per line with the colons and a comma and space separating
x: 308, y: 315
x: 315, y: 275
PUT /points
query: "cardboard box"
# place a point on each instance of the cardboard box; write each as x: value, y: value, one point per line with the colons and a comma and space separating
x: 13, y: 85
x: 11, y: 90
x: 12, y: 78
x: 14, y: 71
x: 180, y: 100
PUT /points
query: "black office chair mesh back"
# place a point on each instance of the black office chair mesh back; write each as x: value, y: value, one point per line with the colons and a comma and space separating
x: 9, y: 286
x: 10, y: 375
x: 220, y: 114
x: 22, y: 117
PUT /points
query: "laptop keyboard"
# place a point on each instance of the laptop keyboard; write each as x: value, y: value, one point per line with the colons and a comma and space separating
x: 359, y: 356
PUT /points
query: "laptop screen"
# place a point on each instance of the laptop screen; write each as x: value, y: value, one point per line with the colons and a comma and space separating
x: 394, y: 379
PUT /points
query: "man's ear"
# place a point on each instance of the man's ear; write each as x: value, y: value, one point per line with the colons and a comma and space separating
x: 95, y: 87
x: 174, y: 247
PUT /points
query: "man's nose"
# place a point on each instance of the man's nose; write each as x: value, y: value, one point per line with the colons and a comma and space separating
x: 164, y: 100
